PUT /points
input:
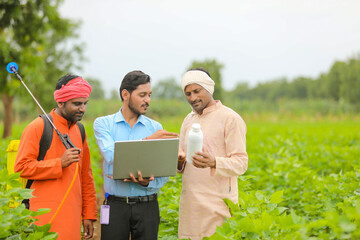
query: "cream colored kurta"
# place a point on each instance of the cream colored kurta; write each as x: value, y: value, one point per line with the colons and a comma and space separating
x: 202, y: 208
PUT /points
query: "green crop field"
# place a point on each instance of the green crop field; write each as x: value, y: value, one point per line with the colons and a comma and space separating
x: 302, y: 183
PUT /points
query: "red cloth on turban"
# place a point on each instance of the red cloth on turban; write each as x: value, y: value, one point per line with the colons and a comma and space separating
x: 75, y: 88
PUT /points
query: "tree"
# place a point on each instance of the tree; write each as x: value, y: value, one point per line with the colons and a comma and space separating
x: 114, y: 94
x: 300, y: 87
x: 97, y: 92
x: 32, y: 33
x: 277, y: 89
x: 168, y: 89
x: 270, y: 91
x: 241, y: 91
x: 317, y: 87
x: 333, y: 80
x: 350, y: 81
x: 214, y: 68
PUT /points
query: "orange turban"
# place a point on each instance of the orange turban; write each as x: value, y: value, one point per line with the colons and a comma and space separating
x: 75, y: 88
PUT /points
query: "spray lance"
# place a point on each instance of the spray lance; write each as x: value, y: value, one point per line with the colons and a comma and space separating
x: 65, y: 139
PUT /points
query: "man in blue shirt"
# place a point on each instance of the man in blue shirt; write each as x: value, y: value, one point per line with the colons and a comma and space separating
x: 133, y: 202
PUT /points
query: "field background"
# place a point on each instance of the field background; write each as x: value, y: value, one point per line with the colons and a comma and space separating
x: 303, y: 175
x: 303, y: 130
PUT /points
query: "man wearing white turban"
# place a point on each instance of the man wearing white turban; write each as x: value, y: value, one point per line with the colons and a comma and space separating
x: 213, y: 174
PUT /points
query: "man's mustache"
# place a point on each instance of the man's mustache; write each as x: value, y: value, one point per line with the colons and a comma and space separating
x: 196, y: 101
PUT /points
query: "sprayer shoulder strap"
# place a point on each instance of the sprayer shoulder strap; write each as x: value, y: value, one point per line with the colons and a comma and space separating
x: 47, y: 136
x: 46, y: 139
x: 82, y: 131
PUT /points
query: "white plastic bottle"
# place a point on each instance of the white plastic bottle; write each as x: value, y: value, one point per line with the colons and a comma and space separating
x: 195, y: 141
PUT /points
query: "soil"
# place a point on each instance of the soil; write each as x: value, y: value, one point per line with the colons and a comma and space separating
x: 100, y: 199
x: 97, y: 225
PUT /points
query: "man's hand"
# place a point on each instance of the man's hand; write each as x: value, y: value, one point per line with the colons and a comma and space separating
x: 140, y: 180
x: 181, y: 156
x: 203, y: 160
x: 88, y: 228
x: 70, y: 156
x: 162, y: 134
x: 181, y: 160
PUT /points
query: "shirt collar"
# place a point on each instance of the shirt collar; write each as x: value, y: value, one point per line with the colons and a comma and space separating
x: 59, y: 118
x: 120, y: 118
x: 217, y: 105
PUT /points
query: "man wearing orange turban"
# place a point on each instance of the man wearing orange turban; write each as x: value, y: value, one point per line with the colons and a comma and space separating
x: 53, y: 174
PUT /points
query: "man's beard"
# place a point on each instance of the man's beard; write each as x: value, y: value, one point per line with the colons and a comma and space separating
x: 134, y: 110
x: 71, y: 116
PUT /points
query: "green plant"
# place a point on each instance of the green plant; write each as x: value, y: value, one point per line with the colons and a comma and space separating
x: 18, y: 222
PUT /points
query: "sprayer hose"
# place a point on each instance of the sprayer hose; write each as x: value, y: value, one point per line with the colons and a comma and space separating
x: 67, y: 193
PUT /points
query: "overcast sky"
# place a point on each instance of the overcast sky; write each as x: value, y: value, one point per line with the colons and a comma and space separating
x: 256, y: 40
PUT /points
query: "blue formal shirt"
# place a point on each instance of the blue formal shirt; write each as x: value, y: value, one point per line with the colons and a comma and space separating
x: 112, y: 128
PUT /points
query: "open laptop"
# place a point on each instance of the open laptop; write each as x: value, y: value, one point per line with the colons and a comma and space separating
x: 154, y: 157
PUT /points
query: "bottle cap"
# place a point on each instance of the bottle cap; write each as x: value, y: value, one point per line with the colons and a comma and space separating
x: 196, y: 126
x: 107, y: 195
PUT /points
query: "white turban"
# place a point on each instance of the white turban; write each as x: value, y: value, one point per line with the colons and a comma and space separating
x: 198, y: 77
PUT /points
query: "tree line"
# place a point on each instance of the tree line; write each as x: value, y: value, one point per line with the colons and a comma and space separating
x: 340, y: 83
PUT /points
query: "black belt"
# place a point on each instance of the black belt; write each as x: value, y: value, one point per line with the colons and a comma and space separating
x: 131, y: 200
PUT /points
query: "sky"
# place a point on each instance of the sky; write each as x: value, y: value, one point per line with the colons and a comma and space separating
x: 255, y: 40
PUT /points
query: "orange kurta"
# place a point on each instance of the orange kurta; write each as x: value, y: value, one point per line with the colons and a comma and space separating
x: 202, y: 208
x: 51, y: 181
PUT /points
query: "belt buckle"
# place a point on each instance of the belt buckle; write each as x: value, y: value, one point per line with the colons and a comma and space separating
x: 127, y: 201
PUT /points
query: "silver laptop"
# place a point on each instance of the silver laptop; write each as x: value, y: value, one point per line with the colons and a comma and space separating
x: 154, y: 157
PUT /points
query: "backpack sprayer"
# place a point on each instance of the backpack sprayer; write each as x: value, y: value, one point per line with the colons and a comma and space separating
x: 65, y: 139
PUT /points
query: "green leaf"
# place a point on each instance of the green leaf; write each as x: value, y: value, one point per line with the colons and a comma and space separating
x: 246, y: 224
x: 50, y: 236
x: 14, y: 237
x: 272, y: 206
x: 253, y: 210
x: 30, y: 228
x: 232, y: 206
x: 25, y: 193
x: 266, y: 220
x: 297, y: 219
x: 277, y: 197
x: 14, y: 183
x: 40, y: 211
x: 4, y: 201
x: 44, y: 228
x: 259, y: 196
x: 318, y: 223
x: 14, y: 176
x: 282, y: 210
x: 347, y: 226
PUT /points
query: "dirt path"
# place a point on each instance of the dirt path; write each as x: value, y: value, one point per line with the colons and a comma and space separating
x: 100, y: 199
x: 97, y: 225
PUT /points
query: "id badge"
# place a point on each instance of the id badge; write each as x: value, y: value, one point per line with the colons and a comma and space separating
x: 104, y: 214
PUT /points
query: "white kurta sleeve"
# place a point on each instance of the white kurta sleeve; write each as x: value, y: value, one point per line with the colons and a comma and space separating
x: 236, y: 161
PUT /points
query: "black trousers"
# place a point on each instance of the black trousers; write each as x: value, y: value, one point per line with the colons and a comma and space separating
x: 140, y: 219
